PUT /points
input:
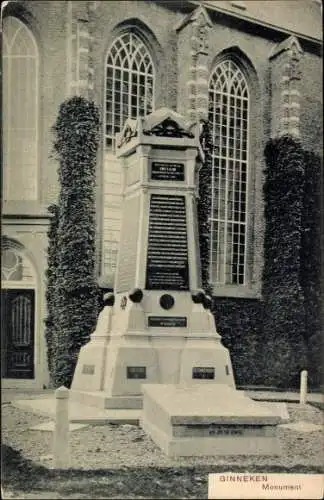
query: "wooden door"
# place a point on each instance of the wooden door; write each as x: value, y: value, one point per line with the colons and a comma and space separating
x: 17, y: 333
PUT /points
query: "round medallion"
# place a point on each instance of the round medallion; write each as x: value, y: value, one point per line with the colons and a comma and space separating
x: 166, y: 301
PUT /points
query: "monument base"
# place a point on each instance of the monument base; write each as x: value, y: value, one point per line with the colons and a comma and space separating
x: 132, y: 347
x: 112, y: 374
x: 198, y: 420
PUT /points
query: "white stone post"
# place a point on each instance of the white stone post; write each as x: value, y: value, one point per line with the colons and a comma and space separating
x: 303, y: 387
x: 61, y: 431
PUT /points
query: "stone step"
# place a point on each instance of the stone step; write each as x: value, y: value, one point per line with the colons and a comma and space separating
x: 101, y: 400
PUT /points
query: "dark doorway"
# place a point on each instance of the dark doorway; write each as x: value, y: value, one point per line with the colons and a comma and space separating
x: 17, y: 333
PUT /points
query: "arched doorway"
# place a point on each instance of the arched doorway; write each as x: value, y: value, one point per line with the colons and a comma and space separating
x: 18, y: 307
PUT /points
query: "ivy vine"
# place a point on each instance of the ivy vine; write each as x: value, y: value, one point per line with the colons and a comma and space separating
x: 71, y: 287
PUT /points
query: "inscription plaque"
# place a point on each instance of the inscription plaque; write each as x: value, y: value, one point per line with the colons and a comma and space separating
x: 167, y: 321
x: 167, y: 171
x: 203, y: 372
x: 88, y: 369
x: 136, y: 371
x: 217, y: 430
x: 167, y: 254
x: 225, y: 432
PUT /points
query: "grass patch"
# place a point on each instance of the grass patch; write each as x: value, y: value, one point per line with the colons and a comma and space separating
x: 20, y: 474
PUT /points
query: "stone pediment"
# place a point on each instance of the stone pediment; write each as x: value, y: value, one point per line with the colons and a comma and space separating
x: 199, y: 15
x: 290, y: 44
x: 161, y: 123
x: 167, y: 123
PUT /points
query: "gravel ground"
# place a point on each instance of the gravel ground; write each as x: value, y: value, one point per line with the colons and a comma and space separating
x: 127, y: 446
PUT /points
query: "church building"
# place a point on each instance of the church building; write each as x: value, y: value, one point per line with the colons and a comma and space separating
x: 252, y: 68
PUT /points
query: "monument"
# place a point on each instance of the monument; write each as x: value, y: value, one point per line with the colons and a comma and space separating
x: 156, y: 337
x: 157, y: 327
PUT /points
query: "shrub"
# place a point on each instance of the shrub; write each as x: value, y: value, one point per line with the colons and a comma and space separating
x: 204, y: 205
x: 51, y: 272
x: 239, y: 322
x: 284, y: 315
x: 311, y: 267
x: 72, y: 297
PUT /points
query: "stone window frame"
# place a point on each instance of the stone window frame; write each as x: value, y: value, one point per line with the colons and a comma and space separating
x: 228, y: 85
x: 252, y: 285
x: 30, y: 36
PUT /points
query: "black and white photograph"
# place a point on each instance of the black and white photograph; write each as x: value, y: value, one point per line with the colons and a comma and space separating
x: 162, y: 247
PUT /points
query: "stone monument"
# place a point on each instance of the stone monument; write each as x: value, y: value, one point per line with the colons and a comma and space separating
x: 157, y: 327
x: 156, y: 345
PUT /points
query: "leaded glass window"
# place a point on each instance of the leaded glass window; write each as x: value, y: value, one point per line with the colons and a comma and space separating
x: 129, y: 84
x: 14, y: 265
x: 229, y: 115
x: 20, y: 110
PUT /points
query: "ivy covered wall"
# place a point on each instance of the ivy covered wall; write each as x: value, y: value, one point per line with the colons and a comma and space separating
x: 204, y: 205
x: 283, y: 329
x: 71, y: 287
x: 239, y: 322
x: 311, y: 265
x: 271, y: 340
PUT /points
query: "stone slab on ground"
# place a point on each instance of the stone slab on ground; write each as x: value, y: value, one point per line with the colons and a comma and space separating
x: 50, y: 426
x: 277, y: 408
x: 288, y: 396
x: 43, y: 406
x: 303, y: 426
x: 9, y: 395
x: 79, y: 413
x: 86, y: 415
x: 202, y: 420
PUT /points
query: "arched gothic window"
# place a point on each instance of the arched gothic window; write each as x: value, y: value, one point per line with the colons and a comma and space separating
x: 20, y: 110
x: 14, y: 264
x: 229, y: 115
x: 129, y: 83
